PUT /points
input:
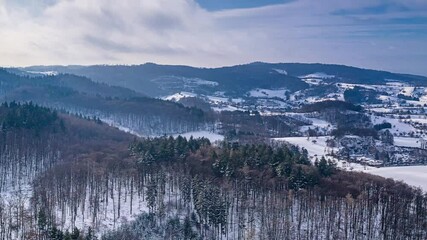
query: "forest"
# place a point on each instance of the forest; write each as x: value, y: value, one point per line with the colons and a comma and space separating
x: 67, y: 177
x: 119, y: 106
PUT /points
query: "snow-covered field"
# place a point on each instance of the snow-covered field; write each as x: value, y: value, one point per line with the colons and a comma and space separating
x: 198, y: 81
x: 412, y: 175
x: 381, y: 110
x: 407, y: 142
x: 422, y: 119
x: 179, y: 96
x: 312, y: 81
x: 318, y: 75
x: 268, y: 93
x: 46, y: 73
x: 227, y: 108
x: 317, y: 123
x: 315, y: 146
x: 407, y: 91
x: 398, y: 126
x: 217, y: 100
x: 281, y: 71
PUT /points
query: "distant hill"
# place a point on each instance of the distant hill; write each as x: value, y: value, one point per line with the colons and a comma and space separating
x: 15, y: 78
x: 118, y: 105
x: 158, y: 80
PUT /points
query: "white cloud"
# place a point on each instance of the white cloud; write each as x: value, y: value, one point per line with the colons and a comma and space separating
x: 181, y: 32
x: 109, y: 31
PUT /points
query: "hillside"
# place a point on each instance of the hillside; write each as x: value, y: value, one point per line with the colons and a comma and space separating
x: 67, y: 177
x: 116, y: 105
x: 265, y: 87
x: 35, y: 140
x: 157, y: 80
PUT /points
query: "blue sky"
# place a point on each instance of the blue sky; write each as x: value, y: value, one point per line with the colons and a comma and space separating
x: 216, y: 5
x: 378, y: 34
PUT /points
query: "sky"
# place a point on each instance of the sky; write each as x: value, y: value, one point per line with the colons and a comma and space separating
x: 378, y: 34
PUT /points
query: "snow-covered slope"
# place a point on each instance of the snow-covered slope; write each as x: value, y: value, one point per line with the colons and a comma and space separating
x: 412, y: 175
x: 178, y: 96
x: 268, y: 93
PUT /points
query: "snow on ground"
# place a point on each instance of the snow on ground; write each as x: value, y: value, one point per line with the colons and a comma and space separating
x: 227, y: 108
x: 268, y: 93
x: 108, y: 215
x: 21, y: 192
x: 319, y: 122
x: 329, y: 97
x: 312, y: 99
x: 423, y: 99
x: 121, y: 128
x: 381, y: 110
x: 15, y: 200
x: 281, y: 71
x: 318, y: 75
x: 397, y: 126
x: 407, y: 142
x: 392, y: 89
x: 178, y: 96
x: 315, y: 146
x: 122, y: 206
x: 351, y: 86
x: 336, y: 96
x: 395, y: 83
x: 407, y: 91
x: 46, y: 73
x: 315, y: 122
x: 238, y: 100
x: 217, y: 100
x: 385, y: 98
x: 312, y: 81
x: 213, y: 137
x: 419, y: 119
x: 199, y: 81
x: 263, y: 104
x: 412, y: 175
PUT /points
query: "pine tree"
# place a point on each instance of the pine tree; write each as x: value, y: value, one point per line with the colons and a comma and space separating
x: 42, y: 221
x: 75, y: 234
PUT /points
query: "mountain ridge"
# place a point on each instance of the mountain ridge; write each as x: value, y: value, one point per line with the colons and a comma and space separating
x: 157, y: 80
x: 207, y: 68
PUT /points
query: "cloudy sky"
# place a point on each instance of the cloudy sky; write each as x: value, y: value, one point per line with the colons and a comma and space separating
x: 379, y: 34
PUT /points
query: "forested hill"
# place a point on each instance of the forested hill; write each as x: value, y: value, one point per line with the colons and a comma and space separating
x: 142, y: 115
x: 78, y: 84
x: 155, y: 80
x: 116, y: 105
x: 75, y: 178
x: 15, y: 116
x: 159, y: 80
x: 35, y: 140
x: 266, y: 192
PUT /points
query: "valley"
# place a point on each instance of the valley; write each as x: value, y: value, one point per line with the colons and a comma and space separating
x: 120, y: 152
x: 397, y: 100
x: 213, y: 120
